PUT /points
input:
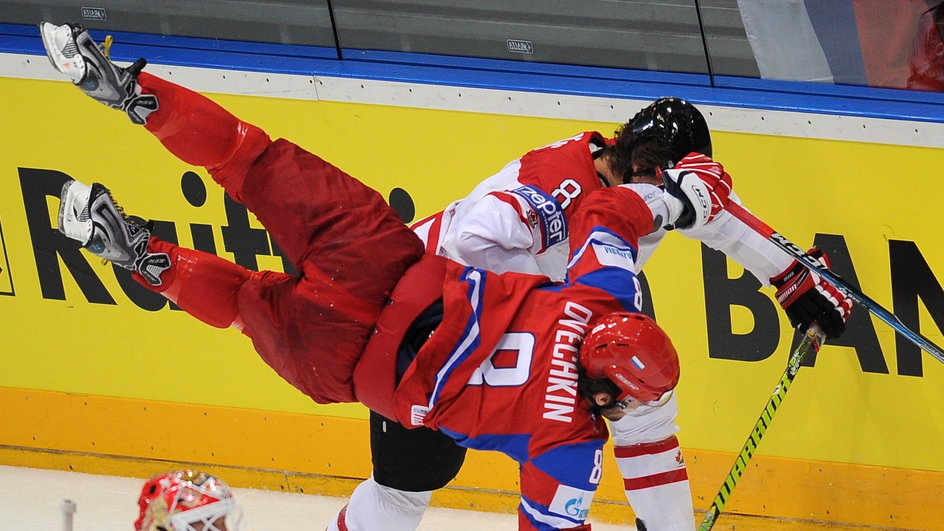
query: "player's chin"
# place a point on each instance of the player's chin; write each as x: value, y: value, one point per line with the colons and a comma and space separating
x: 613, y: 414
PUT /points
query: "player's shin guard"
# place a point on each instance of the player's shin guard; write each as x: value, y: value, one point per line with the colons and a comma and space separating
x: 200, y: 132
x: 656, y: 483
x: 373, y: 506
x: 204, y: 285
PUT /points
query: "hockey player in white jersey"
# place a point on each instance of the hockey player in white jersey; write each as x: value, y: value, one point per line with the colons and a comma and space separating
x: 516, y: 220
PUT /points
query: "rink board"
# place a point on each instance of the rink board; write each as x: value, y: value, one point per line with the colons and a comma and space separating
x: 863, y: 421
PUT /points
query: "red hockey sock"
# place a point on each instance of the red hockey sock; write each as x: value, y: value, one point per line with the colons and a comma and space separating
x: 200, y: 132
x: 202, y: 284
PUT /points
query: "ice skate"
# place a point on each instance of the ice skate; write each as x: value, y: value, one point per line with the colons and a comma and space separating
x: 89, y: 215
x: 72, y: 52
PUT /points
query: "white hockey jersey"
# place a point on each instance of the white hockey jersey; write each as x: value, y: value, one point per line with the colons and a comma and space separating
x: 516, y: 220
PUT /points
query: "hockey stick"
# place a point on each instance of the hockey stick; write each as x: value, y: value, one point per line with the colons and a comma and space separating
x: 814, y: 265
x: 811, y: 341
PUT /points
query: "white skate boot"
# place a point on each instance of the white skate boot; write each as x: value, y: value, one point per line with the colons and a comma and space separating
x: 89, y: 215
x: 72, y: 52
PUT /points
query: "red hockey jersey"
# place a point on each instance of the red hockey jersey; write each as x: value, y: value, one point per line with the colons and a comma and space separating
x: 500, y: 372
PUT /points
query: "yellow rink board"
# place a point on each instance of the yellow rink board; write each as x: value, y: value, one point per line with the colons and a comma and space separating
x: 125, y: 390
x: 300, y: 453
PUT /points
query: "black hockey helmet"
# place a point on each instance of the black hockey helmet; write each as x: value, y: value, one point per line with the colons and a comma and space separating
x: 676, y: 124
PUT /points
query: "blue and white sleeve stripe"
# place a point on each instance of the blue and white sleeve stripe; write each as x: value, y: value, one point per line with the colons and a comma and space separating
x: 470, y: 336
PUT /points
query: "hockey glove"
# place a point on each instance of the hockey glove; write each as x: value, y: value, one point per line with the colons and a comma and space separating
x: 700, y: 187
x: 807, y: 298
x: 713, y: 175
x: 687, y: 199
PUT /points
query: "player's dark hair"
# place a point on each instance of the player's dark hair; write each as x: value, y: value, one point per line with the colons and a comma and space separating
x: 628, y: 151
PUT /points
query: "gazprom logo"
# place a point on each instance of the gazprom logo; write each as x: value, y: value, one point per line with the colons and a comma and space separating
x: 94, y: 13
x: 571, y: 501
x: 519, y: 46
x: 575, y: 509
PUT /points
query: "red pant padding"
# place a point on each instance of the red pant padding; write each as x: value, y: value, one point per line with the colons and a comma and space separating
x: 349, y: 247
x: 202, y: 284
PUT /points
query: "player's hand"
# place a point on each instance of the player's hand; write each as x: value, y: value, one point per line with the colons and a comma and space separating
x: 713, y: 175
x: 807, y: 298
x: 687, y: 199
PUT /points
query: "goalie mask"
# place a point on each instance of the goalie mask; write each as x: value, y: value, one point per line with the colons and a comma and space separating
x: 634, y: 354
x: 186, y: 500
x: 676, y: 124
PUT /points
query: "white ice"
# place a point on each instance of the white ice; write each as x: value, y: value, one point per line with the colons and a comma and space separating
x: 31, y: 499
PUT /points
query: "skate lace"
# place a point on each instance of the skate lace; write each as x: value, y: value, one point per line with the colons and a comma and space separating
x: 121, y: 212
x: 118, y: 207
x: 134, y: 221
x: 105, y: 46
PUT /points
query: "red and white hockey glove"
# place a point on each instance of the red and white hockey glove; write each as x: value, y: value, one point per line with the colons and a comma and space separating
x: 713, y: 175
x: 807, y: 298
x: 702, y: 188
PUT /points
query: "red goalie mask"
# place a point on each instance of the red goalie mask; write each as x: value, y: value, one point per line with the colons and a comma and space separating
x: 186, y: 500
x: 632, y: 352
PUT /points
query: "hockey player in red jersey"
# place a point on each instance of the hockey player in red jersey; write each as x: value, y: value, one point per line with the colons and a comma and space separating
x: 458, y: 356
x: 519, y: 218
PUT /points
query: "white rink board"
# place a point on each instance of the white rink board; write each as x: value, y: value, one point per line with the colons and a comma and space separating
x: 508, y: 102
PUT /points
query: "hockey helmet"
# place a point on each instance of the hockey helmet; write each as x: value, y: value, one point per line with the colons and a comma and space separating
x: 187, y: 500
x: 635, y: 354
x: 676, y: 124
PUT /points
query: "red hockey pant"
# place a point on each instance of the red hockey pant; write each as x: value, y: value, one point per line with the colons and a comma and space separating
x: 348, y: 246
